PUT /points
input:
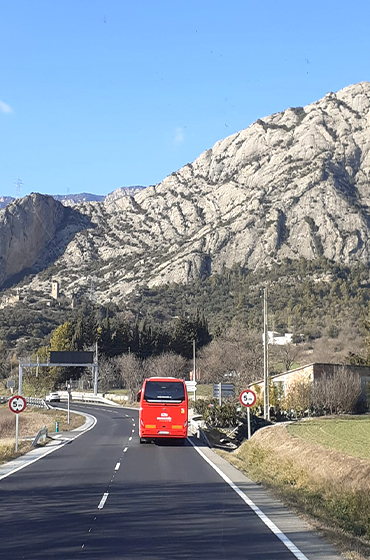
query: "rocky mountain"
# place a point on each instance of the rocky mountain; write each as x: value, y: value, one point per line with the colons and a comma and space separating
x: 4, y: 200
x: 73, y: 199
x: 293, y: 184
x: 35, y: 231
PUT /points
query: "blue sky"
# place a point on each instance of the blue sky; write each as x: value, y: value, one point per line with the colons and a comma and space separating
x: 98, y: 94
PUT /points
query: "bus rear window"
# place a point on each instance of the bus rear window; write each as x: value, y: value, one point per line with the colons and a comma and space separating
x: 164, y: 391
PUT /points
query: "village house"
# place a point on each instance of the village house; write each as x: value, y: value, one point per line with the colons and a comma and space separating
x: 313, y: 372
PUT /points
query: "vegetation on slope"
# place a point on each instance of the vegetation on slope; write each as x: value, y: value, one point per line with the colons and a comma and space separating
x: 309, y: 298
x: 317, y: 477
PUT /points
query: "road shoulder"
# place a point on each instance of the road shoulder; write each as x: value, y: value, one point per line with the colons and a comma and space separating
x: 313, y: 546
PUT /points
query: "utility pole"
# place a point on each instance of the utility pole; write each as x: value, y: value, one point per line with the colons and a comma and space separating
x: 194, y: 368
x: 92, y: 296
x: 95, y: 370
x: 266, y: 400
x: 18, y: 184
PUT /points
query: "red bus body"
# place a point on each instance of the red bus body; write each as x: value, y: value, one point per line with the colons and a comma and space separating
x: 163, y: 408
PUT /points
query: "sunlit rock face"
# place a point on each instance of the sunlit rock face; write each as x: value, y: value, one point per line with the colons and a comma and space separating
x: 293, y: 184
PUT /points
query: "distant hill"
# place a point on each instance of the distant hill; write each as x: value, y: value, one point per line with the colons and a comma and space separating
x: 72, y: 199
x: 4, y: 200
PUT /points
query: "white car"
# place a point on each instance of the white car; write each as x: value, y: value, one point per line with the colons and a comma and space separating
x: 52, y: 397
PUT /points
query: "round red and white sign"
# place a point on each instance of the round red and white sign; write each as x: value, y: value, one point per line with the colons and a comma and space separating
x: 17, y: 404
x: 247, y: 397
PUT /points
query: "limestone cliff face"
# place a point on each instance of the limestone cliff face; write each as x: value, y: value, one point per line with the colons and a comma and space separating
x: 29, y: 230
x: 293, y: 184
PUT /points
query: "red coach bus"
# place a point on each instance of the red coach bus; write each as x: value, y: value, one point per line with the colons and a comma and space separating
x: 163, y: 408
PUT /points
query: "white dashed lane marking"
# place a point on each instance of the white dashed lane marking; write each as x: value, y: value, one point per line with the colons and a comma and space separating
x: 103, y: 500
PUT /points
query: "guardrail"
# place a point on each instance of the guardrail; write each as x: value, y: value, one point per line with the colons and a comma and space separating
x: 82, y: 397
x: 86, y: 397
x: 33, y: 401
x: 43, y: 433
x: 36, y: 402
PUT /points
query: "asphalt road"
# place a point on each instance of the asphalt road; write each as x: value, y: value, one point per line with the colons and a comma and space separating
x: 104, y: 496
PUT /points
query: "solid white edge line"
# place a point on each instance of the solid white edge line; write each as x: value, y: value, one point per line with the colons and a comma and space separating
x: 51, y: 450
x: 284, y: 539
x: 103, y: 500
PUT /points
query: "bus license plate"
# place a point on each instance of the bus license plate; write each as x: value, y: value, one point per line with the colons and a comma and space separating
x: 164, y: 433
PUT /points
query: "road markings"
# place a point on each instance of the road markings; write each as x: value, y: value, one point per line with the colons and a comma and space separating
x: 117, y: 466
x: 133, y: 431
x: 103, y: 500
x: 266, y: 520
x: 125, y: 449
x: 26, y: 463
x: 130, y: 438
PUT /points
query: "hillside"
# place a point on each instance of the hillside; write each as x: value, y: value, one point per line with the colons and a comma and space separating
x: 292, y: 185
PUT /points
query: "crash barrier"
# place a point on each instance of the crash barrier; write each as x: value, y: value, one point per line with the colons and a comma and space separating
x: 43, y: 433
x: 196, y: 429
x: 36, y: 402
x: 86, y: 397
x: 29, y: 400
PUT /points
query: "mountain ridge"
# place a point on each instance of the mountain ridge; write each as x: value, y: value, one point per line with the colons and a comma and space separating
x: 73, y: 199
x: 293, y: 184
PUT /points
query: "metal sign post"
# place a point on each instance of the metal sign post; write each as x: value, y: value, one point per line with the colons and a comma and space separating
x: 248, y: 398
x: 63, y: 363
x: 69, y: 401
x: 17, y: 404
x: 191, y: 386
x: 222, y: 390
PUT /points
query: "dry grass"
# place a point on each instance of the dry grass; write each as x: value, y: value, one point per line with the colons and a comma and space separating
x: 348, y: 434
x: 30, y: 422
x: 330, y: 487
x: 323, y: 464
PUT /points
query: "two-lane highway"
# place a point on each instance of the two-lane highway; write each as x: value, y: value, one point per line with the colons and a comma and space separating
x: 104, y: 496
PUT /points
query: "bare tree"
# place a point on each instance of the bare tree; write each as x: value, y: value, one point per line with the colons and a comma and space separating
x: 237, y: 355
x: 337, y: 393
x: 109, y: 374
x: 287, y: 354
x: 132, y: 371
x: 167, y: 364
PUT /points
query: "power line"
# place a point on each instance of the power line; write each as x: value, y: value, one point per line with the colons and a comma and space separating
x: 18, y: 184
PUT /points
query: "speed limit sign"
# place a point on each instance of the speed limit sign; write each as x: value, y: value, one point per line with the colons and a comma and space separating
x: 17, y: 404
x: 247, y: 397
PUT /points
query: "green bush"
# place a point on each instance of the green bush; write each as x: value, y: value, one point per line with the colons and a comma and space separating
x: 225, y: 416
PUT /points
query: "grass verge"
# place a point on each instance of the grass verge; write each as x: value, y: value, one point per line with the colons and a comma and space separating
x: 313, y: 481
x: 30, y: 422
